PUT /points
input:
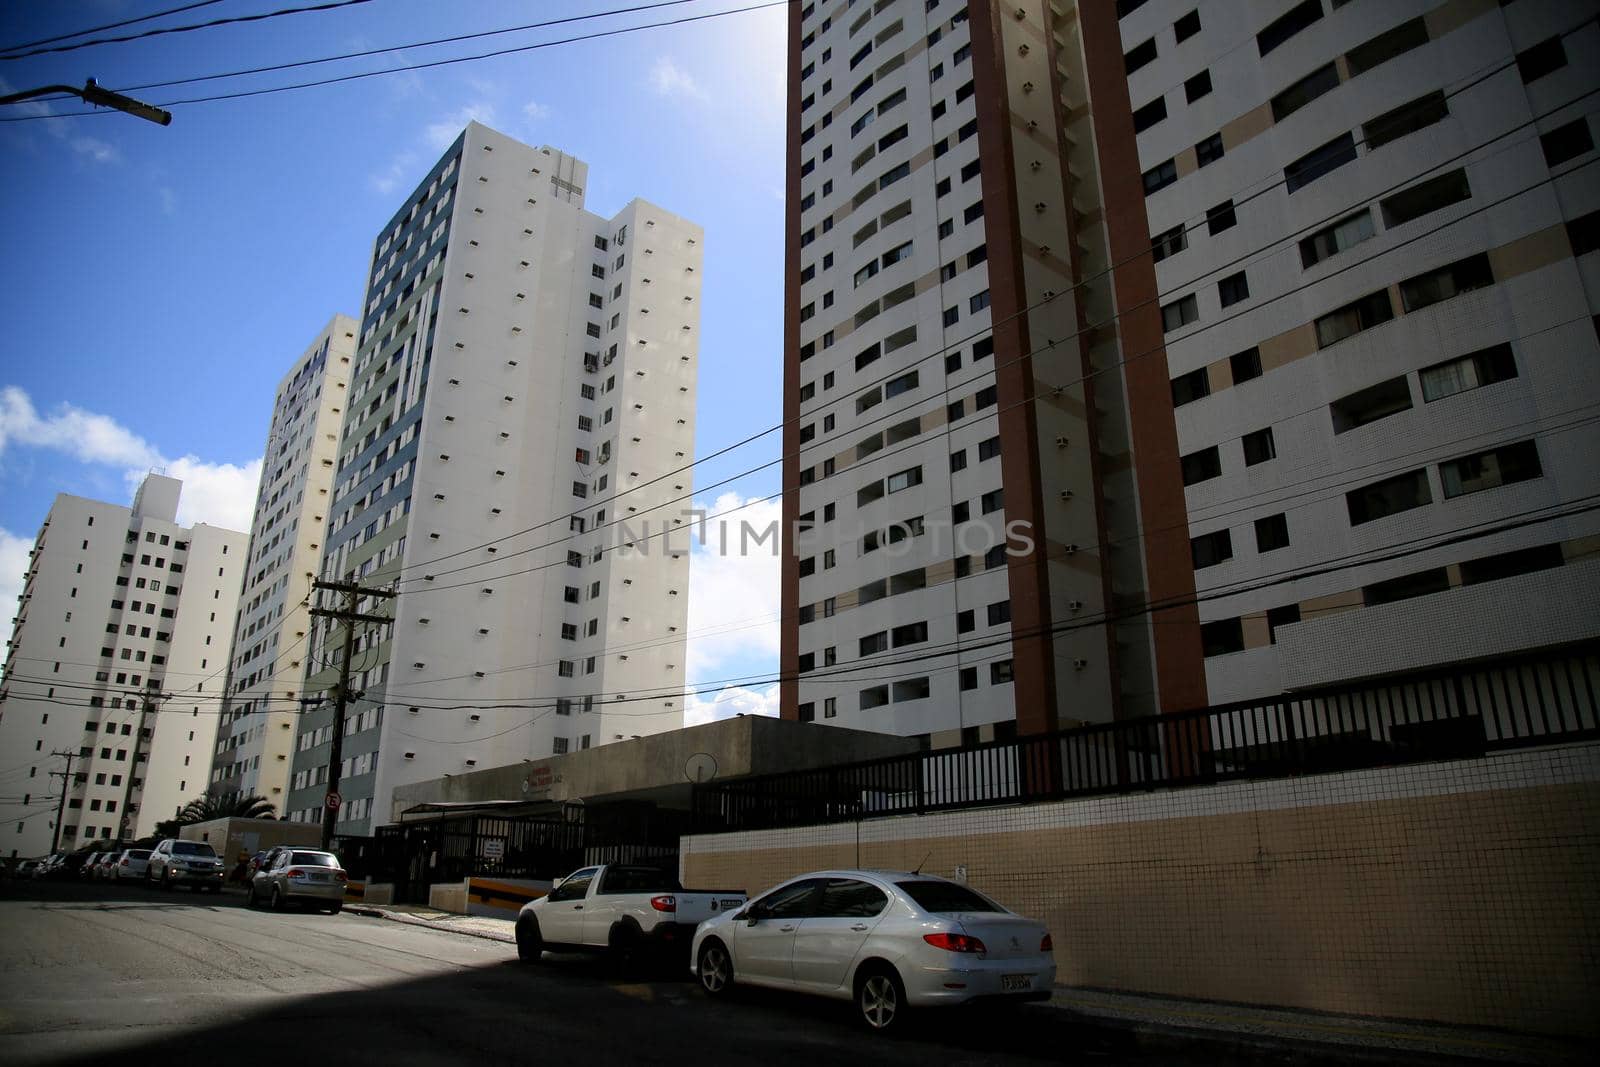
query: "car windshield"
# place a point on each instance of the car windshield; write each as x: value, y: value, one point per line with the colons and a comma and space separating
x: 138, y: 853
x: 941, y: 897
x: 314, y: 859
x: 191, y: 848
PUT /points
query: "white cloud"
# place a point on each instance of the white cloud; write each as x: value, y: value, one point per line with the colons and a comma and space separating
x: 534, y: 111
x: 440, y: 134
x: 734, y: 592
x: 13, y: 565
x: 169, y: 200
x: 221, y: 494
x: 95, y: 149
x: 89, y: 437
x: 726, y: 704
x: 669, y: 79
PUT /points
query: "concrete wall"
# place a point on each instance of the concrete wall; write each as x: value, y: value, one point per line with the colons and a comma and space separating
x: 230, y: 837
x: 1462, y: 892
x: 742, y: 746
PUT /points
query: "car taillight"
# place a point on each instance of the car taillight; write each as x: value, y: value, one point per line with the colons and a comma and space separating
x: 124, y: 863
x: 294, y: 872
x: 664, y: 903
x: 1045, y: 944
x: 955, y: 942
x: 340, y: 874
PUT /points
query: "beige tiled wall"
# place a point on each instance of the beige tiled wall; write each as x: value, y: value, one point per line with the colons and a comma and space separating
x: 1465, y: 892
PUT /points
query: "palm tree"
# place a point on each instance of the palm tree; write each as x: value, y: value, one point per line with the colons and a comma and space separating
x: 225, y: 806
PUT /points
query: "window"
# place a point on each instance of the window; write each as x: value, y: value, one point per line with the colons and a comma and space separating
x: 1245, y: 365
x: 909, y: 634
x: 1287, y: 615
x: 904, y: 479
x: 1221, y: 637
x: 993, y: 501
x: 952, y: 315
x: 972, y: 211
x: 988, y: 449
x: 1187, y: 26
x: 1187, y: 388
x: 1566, y: 142
x: 1384, y: 47
x: 1425, y: 198
x: 1484, y: 367
x: 1139, y: 55
x: 903, y: 384
x: 875, y: 697
x: 1208, y: 550
x: 911, y: 689
x: 1234, y: 288
x: 1319, y: 162
x: 1209, y: 150
x: 1370, y: 404
x: 1510, y: 564
x: 999, y: 613
x: 969, y: 678
x: 1302, y: 92
x: 1546, y: 56
x: 1259, y: 447
x: 1201, y: 466
x: 1179, y: 313
x: 1220, y: 218
x: 1160, y: 176
x: 1272, y: 532
x: 1000, y: 673
x: 977, y: 302
x: 873, y: 643
x: 1485, y: 470
x: 1388, y: 497
x: 1439, y: 285
x: 1168, y: 244
x: 1407, y: 118
x: 1150, y: 114
x: 1287, y: 25
x: 1344, y: 234
x: 1422, y: 583
x: 1371, y: 310
x: 1197, y: 86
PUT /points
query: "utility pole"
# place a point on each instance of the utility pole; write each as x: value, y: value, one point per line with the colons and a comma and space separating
x: 353, y: 592
x: 61, y: 808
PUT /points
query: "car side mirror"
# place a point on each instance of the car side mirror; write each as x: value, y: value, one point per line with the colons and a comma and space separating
x: 754, y: 915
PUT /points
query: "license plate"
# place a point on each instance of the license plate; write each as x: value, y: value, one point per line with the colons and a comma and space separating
x: 1016, y: 983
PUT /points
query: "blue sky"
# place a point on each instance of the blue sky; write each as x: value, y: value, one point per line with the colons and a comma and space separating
x: 161, y: 280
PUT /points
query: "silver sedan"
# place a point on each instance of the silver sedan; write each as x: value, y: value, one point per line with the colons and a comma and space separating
x: 300, y: 876
x: 886, y: 941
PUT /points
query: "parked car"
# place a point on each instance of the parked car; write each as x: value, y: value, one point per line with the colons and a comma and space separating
x: 85, y: 869
x: 192, y: 863
x: 132, y: 864
x: 106, y: 866
x: 300, y: 876
x: 885, y: 940
x: 26, y: 868
x: 617, y: 908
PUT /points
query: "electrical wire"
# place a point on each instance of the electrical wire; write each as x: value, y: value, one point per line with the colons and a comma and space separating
x: 110, y: 26
x: 162, y: 31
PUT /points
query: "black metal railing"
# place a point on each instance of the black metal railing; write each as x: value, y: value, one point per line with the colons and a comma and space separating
x: 1459, y: 711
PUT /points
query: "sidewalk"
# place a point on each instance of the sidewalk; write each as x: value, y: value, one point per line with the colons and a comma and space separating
x: 1236, y: 1032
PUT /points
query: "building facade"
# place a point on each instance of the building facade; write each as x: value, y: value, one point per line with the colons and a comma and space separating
x: 118, y: 660
x: 266, y: 670
x: 520, y: 423
x: 1113, y: 359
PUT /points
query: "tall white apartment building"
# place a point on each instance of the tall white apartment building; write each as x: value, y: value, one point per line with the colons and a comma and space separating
x: 522, y: 406
x: 1269, y: 324
x: 118, y: 658
x: 255, y: 738
x: 1374, y: 225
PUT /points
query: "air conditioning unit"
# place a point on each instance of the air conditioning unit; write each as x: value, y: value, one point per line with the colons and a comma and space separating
x: 1074, y: 605
x: 1079, y: 664
x: 411, y: 755
x: 1061, y: 440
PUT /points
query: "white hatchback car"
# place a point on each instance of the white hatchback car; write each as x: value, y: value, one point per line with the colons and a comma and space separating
x: 885, y: 940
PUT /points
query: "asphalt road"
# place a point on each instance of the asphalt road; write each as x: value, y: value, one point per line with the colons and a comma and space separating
x: 91, y: 969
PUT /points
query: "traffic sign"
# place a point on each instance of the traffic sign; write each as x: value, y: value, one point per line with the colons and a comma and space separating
x: 332, y: 801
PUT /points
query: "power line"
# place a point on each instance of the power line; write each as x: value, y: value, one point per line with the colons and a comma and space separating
x: 329, y: 6
x: 598, y: 35
x: 109, y: 26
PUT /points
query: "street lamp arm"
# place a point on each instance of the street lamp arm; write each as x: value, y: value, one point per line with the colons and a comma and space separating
x: 92, y: 93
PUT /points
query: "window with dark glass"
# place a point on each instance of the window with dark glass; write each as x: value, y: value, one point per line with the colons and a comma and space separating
x: 1370, y: 404
x: 1245, y: 365
x: 1287, y: 25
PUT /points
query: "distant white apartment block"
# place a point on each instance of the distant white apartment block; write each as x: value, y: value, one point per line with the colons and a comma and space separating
x: 118, y: 658
x: 1272, y: 325
x: 255, y: 738
x: 521, y: 411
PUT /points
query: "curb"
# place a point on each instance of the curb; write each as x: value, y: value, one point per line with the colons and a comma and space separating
x: 482, y: 935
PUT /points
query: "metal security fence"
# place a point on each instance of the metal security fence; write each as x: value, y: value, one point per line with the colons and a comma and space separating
x: 1460, y: 711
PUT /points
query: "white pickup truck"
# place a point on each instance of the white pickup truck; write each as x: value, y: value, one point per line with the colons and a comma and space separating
x: 621, y: 909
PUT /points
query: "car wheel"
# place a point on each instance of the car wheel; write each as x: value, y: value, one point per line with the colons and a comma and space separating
x: 880, y: 997
x: 250, y: 897
x: 277, y: 899
x: 336, y: 908
x: 716, y: 968
x: 622, y: 943
x: 166, y: 879
x: 530, y: 945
